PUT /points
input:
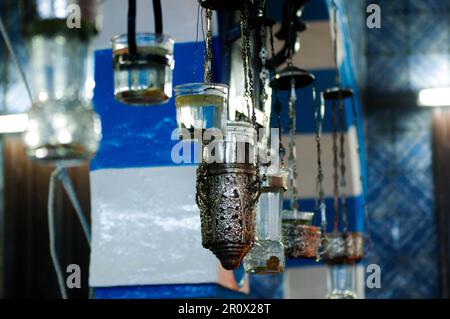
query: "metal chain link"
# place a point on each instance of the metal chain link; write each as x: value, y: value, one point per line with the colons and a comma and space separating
x: 335, y: 168
x: 292, y: 161
x: 248, y: 81
x: 343, y: 183
x: 320, y: 193
x: 208, y: 47
x: 277, y: 104
x: 264, y: 74
x: 244, y: 54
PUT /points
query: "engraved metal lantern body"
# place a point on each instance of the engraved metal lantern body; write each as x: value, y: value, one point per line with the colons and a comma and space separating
x: 300, y: 238
x: 267, y: 255
x: 227, y: 194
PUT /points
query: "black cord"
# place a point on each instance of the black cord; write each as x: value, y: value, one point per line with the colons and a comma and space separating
x: 132, y: 28
x: 158, y: 16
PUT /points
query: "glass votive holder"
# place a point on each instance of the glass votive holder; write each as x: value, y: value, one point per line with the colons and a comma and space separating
x: 200, y: 106
x: 143, y: 78
x: 301, y: 239
x: 341, y: 281
x: 238, y: 146
x: 63, y: 133
x: 267, y: 254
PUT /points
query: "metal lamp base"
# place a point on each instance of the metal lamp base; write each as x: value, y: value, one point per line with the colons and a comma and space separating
x: 301, y: 241
x: 282, y: 80
x: 343, y: 248
x: 337, y: 93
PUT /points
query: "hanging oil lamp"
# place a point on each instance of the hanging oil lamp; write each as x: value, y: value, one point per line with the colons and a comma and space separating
x: 342, y: 249
x: 267, y: 255
x: 143, y: 62
x: 301, y: 238
x: 345, y: 246
x: 228, y: 182
x: 63, y: 128
x: 202, y: 106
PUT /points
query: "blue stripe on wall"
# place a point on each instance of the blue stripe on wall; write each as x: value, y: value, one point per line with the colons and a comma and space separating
x: 166, y: 291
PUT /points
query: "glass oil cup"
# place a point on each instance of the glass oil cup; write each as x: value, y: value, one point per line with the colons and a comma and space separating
x: 201, y: 106
x: 267, y: 254
x: 146, y: 77
x: 341, y: 281
x: 238, y: 146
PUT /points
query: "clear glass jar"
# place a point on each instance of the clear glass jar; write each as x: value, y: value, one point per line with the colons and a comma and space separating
x: 341, y: 281
x: 146, y: 78
x: 238, y: 146
x: 267, y: 254
x: 201, y: 106
x: 62, y: 127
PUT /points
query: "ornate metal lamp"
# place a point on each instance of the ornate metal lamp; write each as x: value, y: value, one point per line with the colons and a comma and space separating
x: 228, y: 182
x: 62, y: 126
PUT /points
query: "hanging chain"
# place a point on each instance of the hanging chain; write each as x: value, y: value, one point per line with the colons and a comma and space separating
x: 251, y: 86
x: 277, y: 104
x: 292, y: 162
x: 208, y: 47
x: 343, y: 183
x: 244, y: 55
x: 264, y: 74
x: 320, y: 193
x: 335, y: 169
x: 248, y: 83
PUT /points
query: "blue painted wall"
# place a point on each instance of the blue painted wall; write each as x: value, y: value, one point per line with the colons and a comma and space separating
x: 410, y: 52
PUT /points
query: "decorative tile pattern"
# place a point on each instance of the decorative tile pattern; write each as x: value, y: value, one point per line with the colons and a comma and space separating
x: 401, y: 221
x: 428, y: 32
x: 430, y: 6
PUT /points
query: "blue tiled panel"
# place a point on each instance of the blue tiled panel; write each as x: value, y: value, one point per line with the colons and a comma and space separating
x: 397, y: 6
x: 429, y: 70
x: 388, y: 73
x: 430, y: 6
x: 401, y: 223
x: 429, y: 32
x: 390, y: 38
